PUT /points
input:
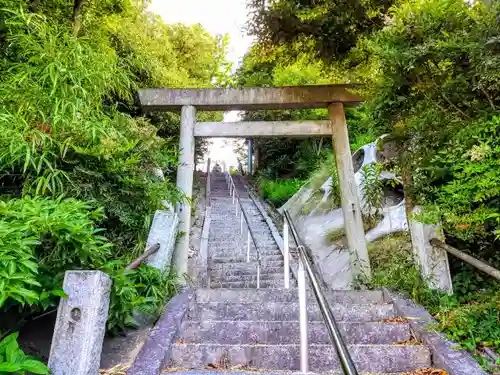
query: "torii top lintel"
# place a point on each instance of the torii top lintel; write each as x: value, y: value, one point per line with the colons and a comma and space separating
x: 226, y: 99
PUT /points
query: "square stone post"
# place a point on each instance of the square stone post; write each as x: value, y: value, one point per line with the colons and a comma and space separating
x: 185, y: 184
x: 353, y: 222
x: 80, y: 324
x: 433, y: 262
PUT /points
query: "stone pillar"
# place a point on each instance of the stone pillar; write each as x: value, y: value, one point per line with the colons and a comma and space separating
x: 163, y: 231
x: 360, y: 262
x: 185, y: 184
x: 250, y: 158
x: 81, y: 324
x: 433, y: 261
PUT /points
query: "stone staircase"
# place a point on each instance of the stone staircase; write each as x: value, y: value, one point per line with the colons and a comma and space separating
x: 228, y: 246
x: 234, y: 326
x: 259, y: 329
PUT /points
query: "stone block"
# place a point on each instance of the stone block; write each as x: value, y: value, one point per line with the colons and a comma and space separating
x: 433, y: 262
x: 81, y: 324
x: 163, y: 231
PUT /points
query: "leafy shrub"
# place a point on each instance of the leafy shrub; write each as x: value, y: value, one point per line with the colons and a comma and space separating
x: 470, y: 319
x: 41, y: 239
x: 278, y: 192
x: 436, y: 89
x: 14, y: 361
x: 143, y: 290
x: 77, y: 188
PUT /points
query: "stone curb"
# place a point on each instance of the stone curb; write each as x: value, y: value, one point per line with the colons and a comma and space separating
x: 445, y: 355
x: 155, y: 353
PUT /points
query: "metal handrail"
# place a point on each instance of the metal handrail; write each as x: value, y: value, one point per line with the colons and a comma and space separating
x: 480, y: 265
x: 305, y: 266
x: 137, y: 262
x: 244, y: 219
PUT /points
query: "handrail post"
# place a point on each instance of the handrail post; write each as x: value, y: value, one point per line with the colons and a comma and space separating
x: 304, y: 344
x: 305, y: 265
x: 286, y: 254
x: 237, y: 201
x: 258, y: 274
x: 241, y: 223
x: 248, y: 246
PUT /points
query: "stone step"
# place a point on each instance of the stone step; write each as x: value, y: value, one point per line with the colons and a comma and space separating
x: 262, y: 332
x: 229, y: 210
x: 256, y: 226
x: 261, y: 240
x: 248, y: 284
x: 252, y: 265
x: 228, y: 249
x: 240, y: 253
x: 263, y: 276
x: 368, y: 358
x: 285, y: 311
x: 242, y: 272
x: 285, y: 295
x: 216, y: 245
x: 235, y: 229
x: 241, y: 247
x: 243, y: 258
x: 241, y: 371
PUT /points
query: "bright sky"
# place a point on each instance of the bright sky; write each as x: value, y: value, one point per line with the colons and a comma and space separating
x: 217, y: 17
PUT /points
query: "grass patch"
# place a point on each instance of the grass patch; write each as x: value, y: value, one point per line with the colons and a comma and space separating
x: 335, y: 235
x: 471, y: 319
x: 280, y: 191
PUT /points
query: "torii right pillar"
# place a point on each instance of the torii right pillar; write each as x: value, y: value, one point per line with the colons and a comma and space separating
x: 353, y: 222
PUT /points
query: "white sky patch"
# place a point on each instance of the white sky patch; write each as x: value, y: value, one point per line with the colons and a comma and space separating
x: 217, y: 17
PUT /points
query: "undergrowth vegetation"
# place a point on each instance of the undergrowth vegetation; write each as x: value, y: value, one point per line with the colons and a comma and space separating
x: 469, y: 317
x: 78, y: 162
x: 280, y: 191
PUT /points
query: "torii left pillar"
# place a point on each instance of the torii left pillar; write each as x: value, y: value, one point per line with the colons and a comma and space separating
x: 185, y: 173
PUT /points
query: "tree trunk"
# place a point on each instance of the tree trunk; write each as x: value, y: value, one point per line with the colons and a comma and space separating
x: 77, y: 16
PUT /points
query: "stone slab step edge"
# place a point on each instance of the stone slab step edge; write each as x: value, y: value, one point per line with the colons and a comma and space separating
x: 286, y: 295
x: 263, y: 332
x: 242, y: 272
x: 268, y: 276
x: 368, y: 358
x: 283, y: 311
x: 239, y: 259
x: 250, y: 371
x: 249, y: 284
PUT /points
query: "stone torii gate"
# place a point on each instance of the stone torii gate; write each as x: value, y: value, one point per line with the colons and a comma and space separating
x: 333, y: 97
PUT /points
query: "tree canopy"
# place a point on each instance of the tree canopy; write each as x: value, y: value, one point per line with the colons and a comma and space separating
x: 77, y: 159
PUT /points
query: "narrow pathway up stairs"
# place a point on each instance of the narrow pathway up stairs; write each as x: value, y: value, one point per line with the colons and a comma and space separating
x: 233, y: 325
